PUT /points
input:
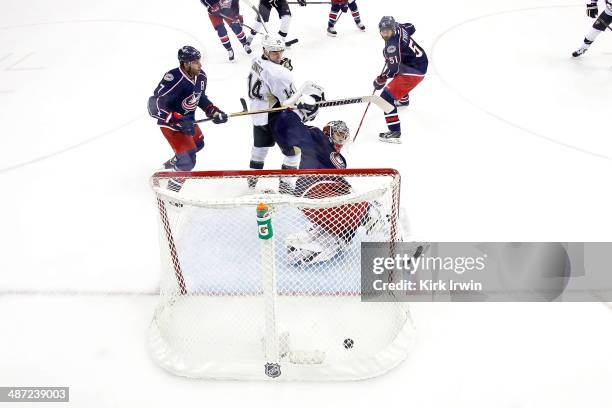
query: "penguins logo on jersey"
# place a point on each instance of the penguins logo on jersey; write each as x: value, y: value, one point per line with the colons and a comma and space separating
x: 191, y: 102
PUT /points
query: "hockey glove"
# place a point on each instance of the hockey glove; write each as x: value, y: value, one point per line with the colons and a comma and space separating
x: 302, y: 3
x: 215, y: 9
x: 592, y: 10
x: 286, y: 62
x: 217, y: 115
x: 184, y: 124
x: 220, y: 117
x: 379, y: 82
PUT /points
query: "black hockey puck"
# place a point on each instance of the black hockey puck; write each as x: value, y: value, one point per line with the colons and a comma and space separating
x: 348, y: 343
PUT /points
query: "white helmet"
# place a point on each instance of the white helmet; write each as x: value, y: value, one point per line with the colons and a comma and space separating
x: 273, y: 42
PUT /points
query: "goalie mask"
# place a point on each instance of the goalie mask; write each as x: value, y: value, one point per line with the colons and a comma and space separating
x: 337, y: 132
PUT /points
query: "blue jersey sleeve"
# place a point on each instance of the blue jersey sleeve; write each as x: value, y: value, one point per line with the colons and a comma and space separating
x: 163, y: 96
x: 408, y: 27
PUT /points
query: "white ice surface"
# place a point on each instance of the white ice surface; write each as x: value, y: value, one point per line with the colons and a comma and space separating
x: 506, y: 139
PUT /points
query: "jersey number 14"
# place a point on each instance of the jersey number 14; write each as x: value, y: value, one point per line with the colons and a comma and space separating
x: 255, y: 88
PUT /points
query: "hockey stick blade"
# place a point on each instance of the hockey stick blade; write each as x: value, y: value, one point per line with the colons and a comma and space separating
x: 244, y: 105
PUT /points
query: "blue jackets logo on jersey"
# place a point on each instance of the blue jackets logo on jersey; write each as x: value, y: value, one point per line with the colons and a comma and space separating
x: 191, y: 102
x: 168, y: 77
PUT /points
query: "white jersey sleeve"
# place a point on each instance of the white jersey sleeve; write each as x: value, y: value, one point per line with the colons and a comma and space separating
x: 270, y: 85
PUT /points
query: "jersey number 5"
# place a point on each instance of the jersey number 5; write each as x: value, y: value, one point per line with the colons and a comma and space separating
x: 254, y: 88
x: 415, y: 48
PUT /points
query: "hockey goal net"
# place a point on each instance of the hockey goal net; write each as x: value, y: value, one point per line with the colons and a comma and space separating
x: 265, y: 282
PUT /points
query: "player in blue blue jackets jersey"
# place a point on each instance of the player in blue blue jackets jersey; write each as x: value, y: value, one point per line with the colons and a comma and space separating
x: 342, y: 6
x: 320, y: 149
x: 406, y: 66
x: 223, y: 12
x: 173, y: 104
x: 333, y: 228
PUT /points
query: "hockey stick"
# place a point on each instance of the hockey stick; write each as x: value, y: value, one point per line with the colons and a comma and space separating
x: 235, y: 20
x: 375, y: 99
x: 248, y: 3
x: 310, y: 2
x: 231, y: 115
x: 368, y: 107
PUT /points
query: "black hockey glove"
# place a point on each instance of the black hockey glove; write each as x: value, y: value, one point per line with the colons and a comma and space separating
x: 216, y: 114
x: 379, y: 82
x: 592, y: 10
x: 302, y: 3
x: 219, y: 117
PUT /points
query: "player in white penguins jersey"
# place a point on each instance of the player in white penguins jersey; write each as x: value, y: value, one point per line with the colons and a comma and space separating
x: 271, y: 85
x: 602, y: 22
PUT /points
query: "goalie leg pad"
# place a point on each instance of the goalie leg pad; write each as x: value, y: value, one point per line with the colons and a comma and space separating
x: 312, y: 246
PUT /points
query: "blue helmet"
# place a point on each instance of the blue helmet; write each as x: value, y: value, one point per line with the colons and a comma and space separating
x: 387, y: 23
x: 188, y: 53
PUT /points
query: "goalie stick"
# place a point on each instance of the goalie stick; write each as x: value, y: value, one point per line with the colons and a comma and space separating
x: 375, y: 99
x: 368, y: 107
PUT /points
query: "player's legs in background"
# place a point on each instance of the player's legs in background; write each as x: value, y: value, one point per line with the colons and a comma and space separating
x: 185, y: 148
x: 262, y: 142
x: 264, y: 12
x: 601, y: 23
x: 285, y: 17
x: 217, y: 23
x: 240, y: 35
x: 291, y: 161
x: 334, y: 15
x: 356, y: 15
x: 396, y: 92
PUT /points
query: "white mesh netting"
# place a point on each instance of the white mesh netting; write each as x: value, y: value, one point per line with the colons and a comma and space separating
x: 233, y: 305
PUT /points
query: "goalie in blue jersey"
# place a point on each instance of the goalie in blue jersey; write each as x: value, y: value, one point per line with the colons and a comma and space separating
x: 331, y: 229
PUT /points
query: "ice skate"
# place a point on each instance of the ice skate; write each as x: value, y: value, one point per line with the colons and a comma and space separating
x: 390, y: 137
